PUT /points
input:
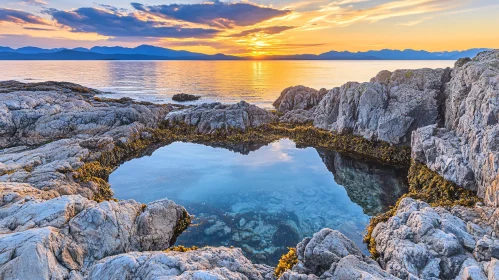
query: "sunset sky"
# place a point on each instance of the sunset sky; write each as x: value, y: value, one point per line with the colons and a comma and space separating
x: 253, y: 27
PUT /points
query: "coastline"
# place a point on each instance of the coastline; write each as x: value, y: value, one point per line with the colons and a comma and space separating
x: 60, y: 143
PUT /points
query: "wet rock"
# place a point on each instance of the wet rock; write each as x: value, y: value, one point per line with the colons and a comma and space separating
x: 388, y: 108
x: 210, y: 117
x: 184, y: 97
x: 298, y: 98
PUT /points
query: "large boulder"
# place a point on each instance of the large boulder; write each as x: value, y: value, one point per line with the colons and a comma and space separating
x: 388, y: 108
x: 211, y: 117
x: 298, y: 97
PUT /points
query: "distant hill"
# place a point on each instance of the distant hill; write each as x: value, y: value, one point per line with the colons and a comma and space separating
x: 87, y: 55
x: 147, y: 52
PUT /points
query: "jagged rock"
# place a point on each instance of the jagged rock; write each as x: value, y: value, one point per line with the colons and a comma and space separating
x: 184, y: 97
x: 331, y: 255
x: 36, y: 117
x: 388, y: 108
x: 472, y: 136
x: 433, y: 243
x: 204, y: 263
x: 210, y: 117
x: 49, y: 129
x: 298, y: 116
x: 48, y: 238
x: 298, y: 98
x: 440, y: 149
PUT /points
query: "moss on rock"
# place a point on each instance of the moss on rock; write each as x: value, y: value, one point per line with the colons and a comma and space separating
x: 428, y: 186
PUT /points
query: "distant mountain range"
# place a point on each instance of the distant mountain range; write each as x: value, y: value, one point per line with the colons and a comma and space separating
x: 146, y: 52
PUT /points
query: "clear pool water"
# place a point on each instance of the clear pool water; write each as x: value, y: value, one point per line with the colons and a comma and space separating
x: 265, y: 201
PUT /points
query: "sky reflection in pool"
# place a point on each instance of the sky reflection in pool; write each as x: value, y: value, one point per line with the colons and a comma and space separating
x: 263, y: 202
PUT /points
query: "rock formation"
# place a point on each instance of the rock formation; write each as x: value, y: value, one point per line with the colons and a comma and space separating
x: 388, y: 108
x: 49, y: 228
x: 466, y: 149
x: 331, y: 255
x: 210, y: 117
x: 298, y: 98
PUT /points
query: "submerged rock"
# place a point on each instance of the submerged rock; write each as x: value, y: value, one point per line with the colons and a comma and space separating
x: 210, y: 117
x: 372, y: 186
x: 184, y: 97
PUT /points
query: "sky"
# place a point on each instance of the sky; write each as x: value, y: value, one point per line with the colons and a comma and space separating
x: 256, y: 27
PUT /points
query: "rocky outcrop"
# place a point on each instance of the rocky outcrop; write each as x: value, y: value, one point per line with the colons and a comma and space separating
x: 331, y: 255
x: 440, y: 150
x: 49, y: 229
x: 298, y: 116
x: 60, y: 237
x: 37, y: 117
x: 204, y: 263
x: 388, y: 108
x: 298, y: 98
x: 435, y: 243
x: 466, y: 149
x: 210, y: 117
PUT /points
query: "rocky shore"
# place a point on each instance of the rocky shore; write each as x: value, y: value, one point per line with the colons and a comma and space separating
x: 60, y: 141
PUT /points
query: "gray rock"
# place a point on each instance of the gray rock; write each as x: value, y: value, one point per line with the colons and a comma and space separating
x: 388, y: 108
x: 298, y: 116
x: 467, y: 153
x: 211, y: 117
x: 47, y: 239
x: 331, y: 255
x: 440, y: 150
x: 204, y: 263
x: 433, y: 243
x: 298, y: 98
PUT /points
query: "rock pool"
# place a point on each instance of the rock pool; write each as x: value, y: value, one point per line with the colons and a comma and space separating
x: 265, y: 200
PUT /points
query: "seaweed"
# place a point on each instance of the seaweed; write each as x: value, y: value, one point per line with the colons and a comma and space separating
x: 181, y: 248
x: 286, y: 262
x: 428, y: 186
